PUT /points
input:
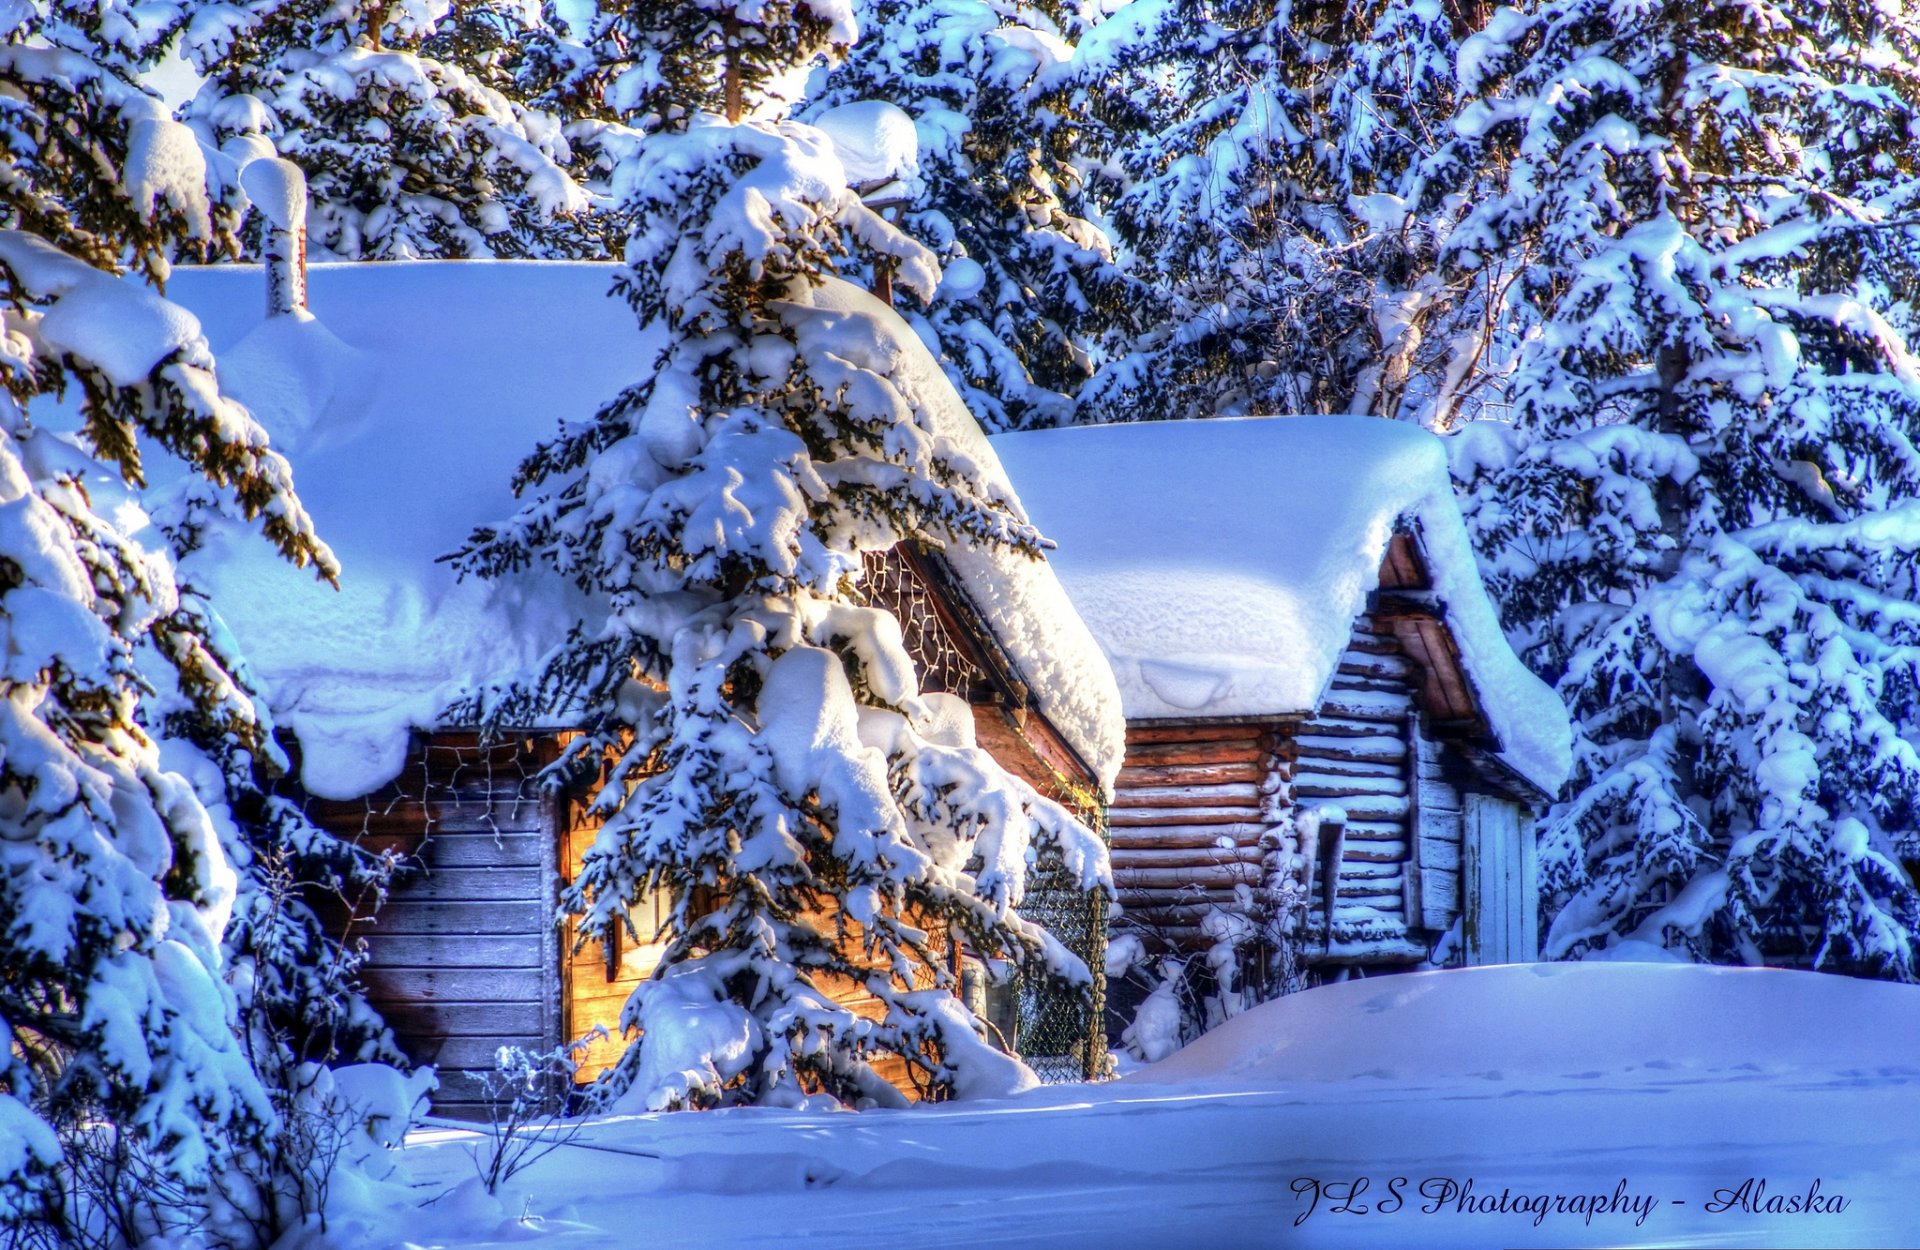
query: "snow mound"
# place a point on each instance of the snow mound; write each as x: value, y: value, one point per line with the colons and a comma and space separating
x: 876, y: 141
x: 1529, y: 1024
x: 1221, y: 563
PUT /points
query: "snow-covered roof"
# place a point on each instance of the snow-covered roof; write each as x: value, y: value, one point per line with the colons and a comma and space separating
x: 1221, y: 564
x: 405, y: 404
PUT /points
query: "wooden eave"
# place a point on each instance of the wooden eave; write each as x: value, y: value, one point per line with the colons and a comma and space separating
x: 1405, y: 604
x: 968, y: 627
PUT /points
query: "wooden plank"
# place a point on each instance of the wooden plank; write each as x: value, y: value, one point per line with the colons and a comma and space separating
x: 1375, y: 664
x: 1410, y: 898
x: 1378, y: 907
x: 1051, y: 746
x: 1440, y: 894
x: 493, y: 814
x: 1383, y: 852
x: 389, y: 950
x: 475, y: 1051
x: 1174, y: 914
x: 1313, y: 781
x: 465, y: 850
x: 463, y: 1087
x: 1004, y: 737
x: 1182, y: 857
x: 1366, y: 640
x: 1370, y: 706
x: 454, y: 985
x: 1489, y: 881
x: 1372, y: 751
x: 406, y: 915
x: 1245, y: 794
x: 1151, y: 731
x: 1340, y: 765
x: 1328, y: 725
x: 468, y: 810
x: 1223, y: 876
x: 1440, y: 853
x: 419, y: 1023
x: 1344, y: 680
x: 1359, y: 807
x: 1210, y: 751
x: 1126, y: 837
x: 1376, y: 831
x: 1450, y: 675
x: 472, y: 885
x: 1438, y: 796
x: 1402, y: 567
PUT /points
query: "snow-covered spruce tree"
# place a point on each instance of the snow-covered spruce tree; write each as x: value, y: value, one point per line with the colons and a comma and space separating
x: 1272, y: 193
x: 1031, y: 293
x: 1701, y: 519
x: 118, y: 1037
x: 813, y: 819
x: 405, y: 156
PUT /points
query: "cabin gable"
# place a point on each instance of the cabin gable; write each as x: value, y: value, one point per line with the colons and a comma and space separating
x: 467, y: 955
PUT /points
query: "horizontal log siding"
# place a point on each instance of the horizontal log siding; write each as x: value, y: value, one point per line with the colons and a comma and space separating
x: 1201, y: 808
x: 460, y: 961
x: 1190, y: 809
x: 1355, y: 754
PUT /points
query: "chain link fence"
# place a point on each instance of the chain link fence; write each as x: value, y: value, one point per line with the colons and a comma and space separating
x: 1059, y: 1030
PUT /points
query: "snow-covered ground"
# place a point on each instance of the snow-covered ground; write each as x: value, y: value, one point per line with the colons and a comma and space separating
x: 1665, y: 1095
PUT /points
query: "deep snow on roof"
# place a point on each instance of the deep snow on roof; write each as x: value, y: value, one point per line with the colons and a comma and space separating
x: 1221, y: 563
x: 405, y: 404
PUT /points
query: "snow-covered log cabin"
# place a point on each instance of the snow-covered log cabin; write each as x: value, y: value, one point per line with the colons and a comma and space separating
x: 406, y: 403
x: 1323, y: 716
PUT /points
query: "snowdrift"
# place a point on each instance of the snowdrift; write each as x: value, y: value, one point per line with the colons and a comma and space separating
x: 1539, y: 1023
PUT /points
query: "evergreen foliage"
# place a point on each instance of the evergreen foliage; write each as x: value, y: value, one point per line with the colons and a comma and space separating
x: 407, y: 123
x: 1273, y: 195
x: 157, y: 1010
x: 1699, y: 220
x: 812, y: 818
x: 1032, y: 296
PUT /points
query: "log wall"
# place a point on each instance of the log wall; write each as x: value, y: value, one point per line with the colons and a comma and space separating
x: 1356, y: 753
x: 1192, y: 813
x: 1205, y: 813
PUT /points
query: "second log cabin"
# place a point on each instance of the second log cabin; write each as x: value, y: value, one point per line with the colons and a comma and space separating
x: 1328, y: 735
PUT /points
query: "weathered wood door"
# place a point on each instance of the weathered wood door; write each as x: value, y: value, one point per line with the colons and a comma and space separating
x: 1501, y: 918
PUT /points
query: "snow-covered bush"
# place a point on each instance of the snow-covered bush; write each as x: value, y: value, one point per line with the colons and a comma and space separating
x: 814, y: 820
x: 1700, y: 520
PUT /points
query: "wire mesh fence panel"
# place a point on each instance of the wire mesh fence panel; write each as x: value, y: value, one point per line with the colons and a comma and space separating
x: 1059, y: 1030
